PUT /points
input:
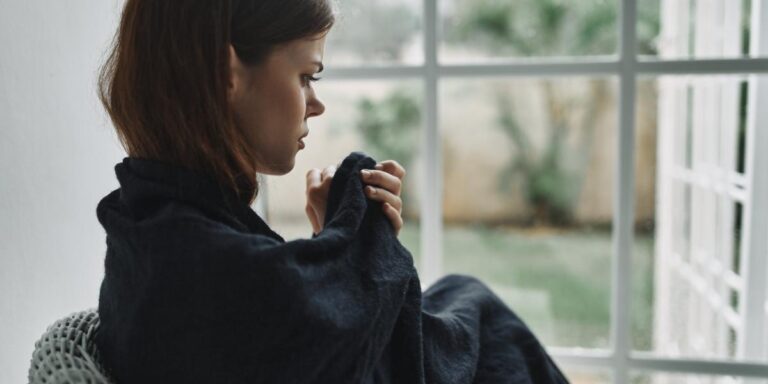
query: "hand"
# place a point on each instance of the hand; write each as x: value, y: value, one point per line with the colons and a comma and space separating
x: 318, y: 185
x: 385, y: 185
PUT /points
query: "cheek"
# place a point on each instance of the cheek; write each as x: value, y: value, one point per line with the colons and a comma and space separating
x: 288, y: 103
x: 299, y: 103
x: 273, y: 113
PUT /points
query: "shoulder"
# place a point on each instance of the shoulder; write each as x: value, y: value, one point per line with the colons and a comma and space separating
x: 174, y: 228
x: 195, y: 224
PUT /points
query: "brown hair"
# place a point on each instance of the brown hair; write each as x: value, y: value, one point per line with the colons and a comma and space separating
x: 164, y: 83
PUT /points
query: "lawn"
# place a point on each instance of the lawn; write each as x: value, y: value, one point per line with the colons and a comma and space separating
x: 558, y: 281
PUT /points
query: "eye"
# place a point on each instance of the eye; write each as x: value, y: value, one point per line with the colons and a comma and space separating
x: 306, y: 79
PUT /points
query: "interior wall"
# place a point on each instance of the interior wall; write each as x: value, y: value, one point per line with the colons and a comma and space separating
x: 57, y: 157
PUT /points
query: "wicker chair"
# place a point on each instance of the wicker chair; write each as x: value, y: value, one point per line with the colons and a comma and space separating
x: 66, y: 353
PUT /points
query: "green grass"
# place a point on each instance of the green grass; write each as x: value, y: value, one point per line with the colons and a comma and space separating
x: 559, y: 282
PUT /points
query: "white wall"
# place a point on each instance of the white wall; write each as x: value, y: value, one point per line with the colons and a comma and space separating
x: 57, y: 153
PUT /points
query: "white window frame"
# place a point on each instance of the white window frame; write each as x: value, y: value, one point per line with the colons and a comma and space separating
x: 619, y: 359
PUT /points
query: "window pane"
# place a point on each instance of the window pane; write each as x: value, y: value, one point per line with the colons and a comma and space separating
x: 586, y: 376
x: 376, y: 32
x: 482, y: 29
x: 687, y: 29
x: 688, y: 378
x: 528, y: 185
x: 382, y: 119
x: 690, y: 210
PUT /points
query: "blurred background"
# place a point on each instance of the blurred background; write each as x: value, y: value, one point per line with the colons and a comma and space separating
x: 522, y: 162
x: 528, y: 162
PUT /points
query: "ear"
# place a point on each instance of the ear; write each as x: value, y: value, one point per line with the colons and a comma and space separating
x: 235, y: 79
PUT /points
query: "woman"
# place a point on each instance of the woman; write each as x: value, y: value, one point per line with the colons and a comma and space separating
x: 198, y: 289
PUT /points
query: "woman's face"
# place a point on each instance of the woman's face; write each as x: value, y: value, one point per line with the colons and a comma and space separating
x: 272, y: 101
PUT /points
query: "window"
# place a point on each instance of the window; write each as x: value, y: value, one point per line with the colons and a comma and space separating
x: 598, y: 163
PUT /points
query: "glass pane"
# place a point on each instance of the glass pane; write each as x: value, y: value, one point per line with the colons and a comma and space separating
x: 528, y: 185
x: 484, y: 29
x: 693, y: 29
x: 382, y: 119
x: 376, y: 32
x: 586, y: 376
x: 689, y: 378
x: 689, y: 212
x: 645, y: 220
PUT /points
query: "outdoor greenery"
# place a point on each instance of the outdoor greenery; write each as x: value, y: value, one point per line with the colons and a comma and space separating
x: 558, y: 280
x: 551, y: 176
x: 390, y: 128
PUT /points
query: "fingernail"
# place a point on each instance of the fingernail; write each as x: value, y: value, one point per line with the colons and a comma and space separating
x: 371, y: 190
x: 366, y: 174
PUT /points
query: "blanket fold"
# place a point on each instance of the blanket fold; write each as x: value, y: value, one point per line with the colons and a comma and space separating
x: 198, y: 289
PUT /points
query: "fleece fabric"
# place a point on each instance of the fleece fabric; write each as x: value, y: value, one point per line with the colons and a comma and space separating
x: 199, y: 289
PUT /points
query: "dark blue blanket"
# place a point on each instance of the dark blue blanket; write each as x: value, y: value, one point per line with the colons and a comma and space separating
x: 198, y: 289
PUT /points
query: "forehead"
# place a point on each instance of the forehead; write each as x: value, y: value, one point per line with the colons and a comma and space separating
x: 304, y: 49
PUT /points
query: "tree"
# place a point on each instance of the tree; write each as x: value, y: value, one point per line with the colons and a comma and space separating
x: 390, y: 128
x: 540, y: 28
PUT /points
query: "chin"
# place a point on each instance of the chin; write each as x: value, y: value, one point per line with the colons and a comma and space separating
x: 279, y: 169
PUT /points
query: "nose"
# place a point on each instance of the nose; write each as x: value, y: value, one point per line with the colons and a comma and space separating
x: 315, y: 107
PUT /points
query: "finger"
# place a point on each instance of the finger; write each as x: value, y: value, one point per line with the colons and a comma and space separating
x: 394, y: 217
x: 392, y: 167
x: 313, y: 178
x: 312, y: 215
x: 316, y: 189
x: 328, y: 172
x: 327, y: 178
x: 383, y: 180
x: 384, y: 196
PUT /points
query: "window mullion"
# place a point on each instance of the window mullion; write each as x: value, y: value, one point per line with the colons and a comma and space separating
x: 755, y: 247
x: 432, y: 191
x: 553, y: 68
x: 624, y: 195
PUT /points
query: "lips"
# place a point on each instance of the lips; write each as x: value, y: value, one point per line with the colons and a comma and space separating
x: 301, y: 141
